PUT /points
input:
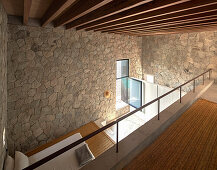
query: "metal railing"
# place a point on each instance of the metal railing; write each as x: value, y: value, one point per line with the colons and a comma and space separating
x: 61, y: 151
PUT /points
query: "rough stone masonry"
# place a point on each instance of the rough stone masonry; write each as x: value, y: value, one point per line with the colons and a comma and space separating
x: 57, y: 77
x: 3, y: 82
x: 56, y: 80
x: 176, y: 58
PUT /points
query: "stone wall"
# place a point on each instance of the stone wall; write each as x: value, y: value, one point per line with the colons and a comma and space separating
x: 56, y: 80
x: 3, y: 80
x: 173, y: 59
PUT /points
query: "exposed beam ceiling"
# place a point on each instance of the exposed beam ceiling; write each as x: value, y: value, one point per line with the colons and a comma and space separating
x: 163, y: 12
x: 26, y: 11
x: 181, y: 20
x: 109, y: 9
x: 172, y: 31
x: 170, y: 13
x: 132, y: 17
x: 156, y: 5
x: 188, y: 27
x: 148, y: 7
x: 55, y: 9
x: 79, y: 9
x: 164, y: 18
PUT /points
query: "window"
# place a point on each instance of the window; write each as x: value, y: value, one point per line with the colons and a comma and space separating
x: 128, y: 90
x: 122, y: 68
x: 134, y: 93
x: 122, y: 74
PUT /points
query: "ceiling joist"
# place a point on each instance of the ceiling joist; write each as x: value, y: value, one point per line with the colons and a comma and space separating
x: 165, y: 18
x: 55, y: 9
x: 132, y: 17
x: 176, y: 27
x: 26, y: 12
x: 163, y: 12
x: 172, y: 31
x: 79, y: 10
x: 189, y: 27
x: 129, y: 11
x: 109, y: 9
x: 137, y: 11
x: 212, y: 15
x: 179, y: 31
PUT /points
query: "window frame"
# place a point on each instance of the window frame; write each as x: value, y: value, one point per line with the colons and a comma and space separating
x: 127, y: 66
x: 122, y: 77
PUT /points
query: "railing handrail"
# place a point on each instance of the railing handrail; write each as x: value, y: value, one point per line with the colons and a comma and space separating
x: 70, y: 146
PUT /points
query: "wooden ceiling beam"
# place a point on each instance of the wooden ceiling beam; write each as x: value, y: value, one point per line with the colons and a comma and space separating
x: 189, y: 24
x: 108, y: 22
x: 128, y: 12
x: 79, y: 10
x: 212, y: 15
x: 55, y: 9
x: 109, y: 9
x: 172, y: 31
x: 128, y: 33
x: 26, y: 12
x: 200, y: 26
x: 139, y: 34
x: 165, y: 18
x: 154, y: 32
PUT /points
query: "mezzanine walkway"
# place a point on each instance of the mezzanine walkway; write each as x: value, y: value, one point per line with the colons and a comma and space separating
x: 189, y: 143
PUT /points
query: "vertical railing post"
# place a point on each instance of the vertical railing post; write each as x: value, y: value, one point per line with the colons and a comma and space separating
x: 117, y: 139
x: 194, y: 86
x: 203, y: 79
x: 180, y: 93
x: 158, y: 109
x: 157, y: 91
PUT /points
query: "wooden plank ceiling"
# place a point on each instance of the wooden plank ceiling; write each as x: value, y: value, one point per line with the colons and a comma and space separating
x: 133, y: 17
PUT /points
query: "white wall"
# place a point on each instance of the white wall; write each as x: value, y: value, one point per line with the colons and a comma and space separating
x: 150, y: 93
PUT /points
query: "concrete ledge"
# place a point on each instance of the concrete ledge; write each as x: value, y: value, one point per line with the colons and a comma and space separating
x: 133, y: 144
x: 211, y: 94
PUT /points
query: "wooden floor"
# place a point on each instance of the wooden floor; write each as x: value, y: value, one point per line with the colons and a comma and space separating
x: 189, y: 143
x: 97, y: 144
